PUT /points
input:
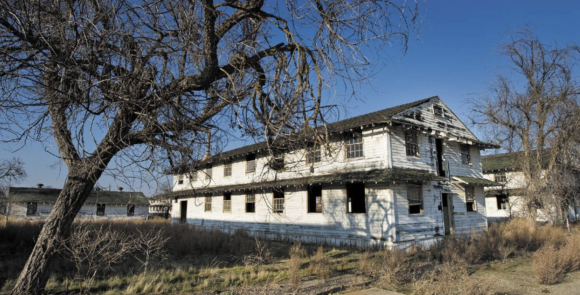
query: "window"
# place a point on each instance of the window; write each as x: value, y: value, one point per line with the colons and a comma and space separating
x: 193, y: 176
x: 251, y: 163
x: 465, y: 156
x: 250, y: 202
x: 277, y: 163
x: 130, y: 210
x: 313, y: 155
x: 31, y: 209
x: 315, y: 199
x: 228, y: 168
x: 278, y: 200
x: 414, y: 115
x: 502, y: 202
x: 354, y: 146
x: 470, y: 198
x: 208, y: 171
x: 100, y: 209
x: 180, y: 179
x: 415, y: 198
x: 207, y: 204
x: 227, y: 202
x: 412, y: 144
x: 355, y: 194
x: 500, y: 177
x: 438, y: 110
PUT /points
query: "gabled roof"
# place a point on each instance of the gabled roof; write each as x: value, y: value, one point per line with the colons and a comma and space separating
x: 49, y: 196
x: 377, y: 175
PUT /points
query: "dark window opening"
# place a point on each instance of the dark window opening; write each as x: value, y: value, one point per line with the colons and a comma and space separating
x: 465, y: 156
x: 227, y: 202
x: 438, y: 110
x: 130, y: 210
x: 31, y: 209
x: 440, y: 163
x: 251, y: 163
x: 355, y: 193
x: 277, y: 162
x: 180, y: 179
x: 502, y: 202
x: 415, y: 198
x: 278, y: 195
x: 100, y: 209
x: 250, y: 202
x: 470, y: 198
x: 183, y: 211
x: 315, y: 199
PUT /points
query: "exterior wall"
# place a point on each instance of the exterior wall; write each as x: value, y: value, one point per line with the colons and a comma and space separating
x: 87, y: 211
x: 333, y: 226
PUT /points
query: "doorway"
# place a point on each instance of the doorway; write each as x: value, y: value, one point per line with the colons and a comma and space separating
x: 183, y: 212
x: 439, y: 148
x: 447, y: 208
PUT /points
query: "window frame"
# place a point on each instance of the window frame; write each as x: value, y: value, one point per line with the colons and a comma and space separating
x: 349, y: 188
x: 101, y: 209
x: 438, y: 110
x: 193, y: 176
x: 502, y: 177
x: 207, y: 203
x: 313, y: 155
x: 412, y: 145
x: 208, y: 171
x: 180, y: 179
x: 250, y: 198
x: 251, y: 158
x: 277, y: 195
x: 470, y: 199
x: 228, y: 168
x: 420, y: 201
x: 465, y: 151
x: 354, y: 146
x: 130, y: 209
x: 227, y: 202
x: 318, y: 206
x: 502, y: 199
x: 31, y: 208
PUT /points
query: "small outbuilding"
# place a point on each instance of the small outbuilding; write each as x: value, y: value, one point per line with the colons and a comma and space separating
x: 26, y: 202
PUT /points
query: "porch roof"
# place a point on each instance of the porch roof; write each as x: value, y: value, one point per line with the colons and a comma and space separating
x: 475, y: 181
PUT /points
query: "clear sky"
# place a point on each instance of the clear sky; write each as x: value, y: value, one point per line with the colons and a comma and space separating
x: 455, y: 57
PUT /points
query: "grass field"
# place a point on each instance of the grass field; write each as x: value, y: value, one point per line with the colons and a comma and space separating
x: 195, y: 260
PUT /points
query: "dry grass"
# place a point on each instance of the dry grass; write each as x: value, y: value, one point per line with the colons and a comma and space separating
x: 320, y: 264
x: 549, y: 265
x: 294, y: 265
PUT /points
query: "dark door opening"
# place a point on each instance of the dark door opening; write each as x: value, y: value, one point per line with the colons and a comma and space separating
x: 440, y: 164
x: 447, y: 207
x: 183, y: 212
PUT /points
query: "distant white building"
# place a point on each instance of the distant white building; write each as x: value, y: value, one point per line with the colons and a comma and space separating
x: 159, y: 206
x: 36, y: 203
x: 394, y: 177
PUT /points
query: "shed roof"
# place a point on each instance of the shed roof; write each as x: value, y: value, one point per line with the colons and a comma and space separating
x: 476, y: 181
x: 377, y: 175
x: 49, y: 195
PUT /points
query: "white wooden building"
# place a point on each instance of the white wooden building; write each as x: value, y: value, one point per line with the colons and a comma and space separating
x: 393, y: 177
x: 36, y: 203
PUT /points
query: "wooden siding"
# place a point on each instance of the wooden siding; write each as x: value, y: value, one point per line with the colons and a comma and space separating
x: 87, y: 211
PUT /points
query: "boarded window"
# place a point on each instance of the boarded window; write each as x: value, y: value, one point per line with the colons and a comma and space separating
x: 208, y: 171
x: 470, y: 198
x: 415, y: 198
x: 438, y: 110
x: 315, y: 199
x: 355, y: 194
x: 227, y: 202
x: 500, y: 177
x: 131, y: 210
x: 502, y: 202
x: 100, y: 209
x: 31, y: 209
x: 278, y: 197
x: 313, y: 155
x: 412, y: 144
x: 251, y: 163
x: 228, y: 168
x: 180, y: 179
x: 207, y: 203
x: 354, y: 146
x: 250, y: 202
x: 465, y: 156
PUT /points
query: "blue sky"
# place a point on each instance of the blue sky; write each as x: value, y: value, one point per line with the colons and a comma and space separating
x: 456, y: 57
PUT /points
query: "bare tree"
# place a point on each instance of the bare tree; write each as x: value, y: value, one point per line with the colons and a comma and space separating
x: 11, y: 171
x: 146, y: 80
x: 534, y: 110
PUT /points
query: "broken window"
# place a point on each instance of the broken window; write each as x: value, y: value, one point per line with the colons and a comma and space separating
x: 131, y: 210
x: 415, y: 198
x: 414, y: 115
x: 277, y: 162
x: 412, y: 144
x: 500, y: 177
x: 228, y: 168
x: 250, y: 202
x: 208, y: 171
x: 180, y: 179
x: 465, y: 156
x: 502, y: 202
x: 313, y: 155
x: 207, y: 204
x: 470, y: 198
x: 251, y: 163
x: 193, y: 176
x: 227, y: 202
x: 278, y: 195
x: 354, y: 146
x: 31, y: 209
x: 315, y: 199
x: 100, y: 209
x: 355, y: 194
x: 438, y: 110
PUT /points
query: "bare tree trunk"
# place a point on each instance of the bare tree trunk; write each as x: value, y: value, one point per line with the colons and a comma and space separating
x: 77, y: 188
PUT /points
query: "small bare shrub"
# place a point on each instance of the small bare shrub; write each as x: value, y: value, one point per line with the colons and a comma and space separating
x: 320, y: 264
x: 549, y: 265
x: 449, y: 278
x: 570, y: 253
x: 295, y: 264
x: 505, y: 250
x: 148, y: 246
x: 366, y: 265
x: 395, y: 269
x: 260, y: 257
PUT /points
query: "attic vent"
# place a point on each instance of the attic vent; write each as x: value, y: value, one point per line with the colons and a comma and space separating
x: 438, y: 110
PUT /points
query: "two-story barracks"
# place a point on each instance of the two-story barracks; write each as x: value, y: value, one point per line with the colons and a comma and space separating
x: 397, y: 176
